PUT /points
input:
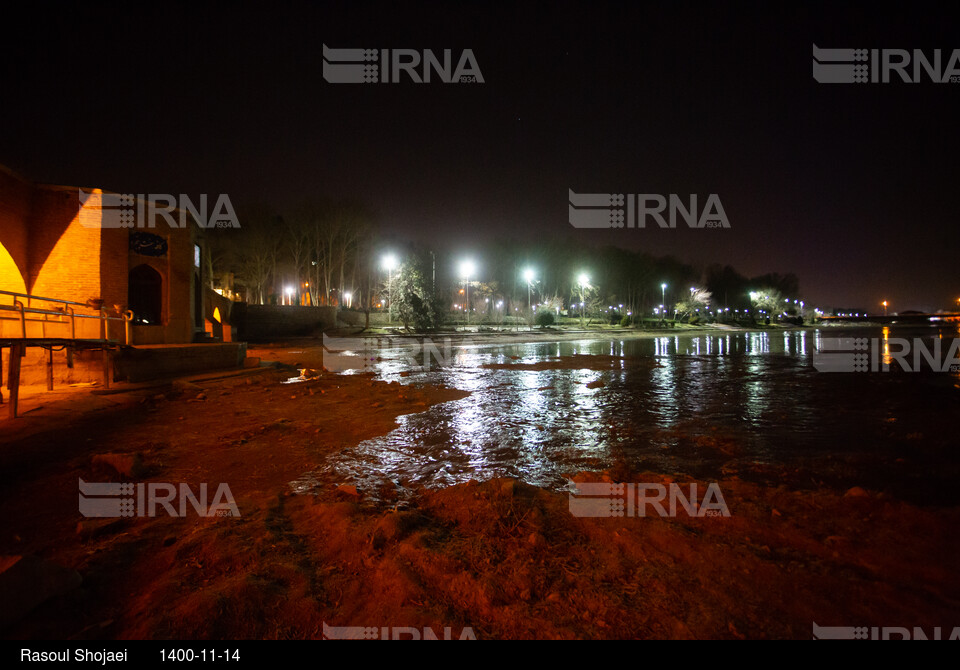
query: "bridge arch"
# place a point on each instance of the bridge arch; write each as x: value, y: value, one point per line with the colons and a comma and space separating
x: 11, y: 278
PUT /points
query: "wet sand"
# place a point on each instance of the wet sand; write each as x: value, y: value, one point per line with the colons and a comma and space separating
x: 502, y: 558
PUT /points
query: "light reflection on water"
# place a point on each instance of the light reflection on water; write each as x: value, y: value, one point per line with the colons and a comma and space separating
x: 744, y: 403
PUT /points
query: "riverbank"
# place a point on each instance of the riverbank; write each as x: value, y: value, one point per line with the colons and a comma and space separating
x: 344, y: 337
x: 500, y: 558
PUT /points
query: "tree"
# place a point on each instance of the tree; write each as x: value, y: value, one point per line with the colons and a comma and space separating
x: 699, y: 299
x: 768, y: 300
x: 296, y: 242
x: 258, y: 246
x: 415, y: 302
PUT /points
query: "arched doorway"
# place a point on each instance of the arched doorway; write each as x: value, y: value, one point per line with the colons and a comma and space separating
x: 145, y: 295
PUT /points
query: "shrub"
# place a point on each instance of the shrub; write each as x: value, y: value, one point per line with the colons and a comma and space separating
x: 545, y: 318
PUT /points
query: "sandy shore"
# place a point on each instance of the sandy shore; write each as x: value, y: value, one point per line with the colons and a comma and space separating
x: 500, y: 558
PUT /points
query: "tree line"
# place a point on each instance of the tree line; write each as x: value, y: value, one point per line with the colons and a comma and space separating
x: 331, y: 252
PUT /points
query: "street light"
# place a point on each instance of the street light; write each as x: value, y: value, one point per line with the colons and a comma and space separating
x: 467, y: 268
x: 528, y: 276
x: 884, y: 303
x: 389, y: 263
x: 663, y: 299
x: 583, y: 280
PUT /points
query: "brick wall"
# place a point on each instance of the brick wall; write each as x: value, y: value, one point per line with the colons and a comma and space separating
x: 64, y: 256
x: 15, y: 195
x: 58, y: 257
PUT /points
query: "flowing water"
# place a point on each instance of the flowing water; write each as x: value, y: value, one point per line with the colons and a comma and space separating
x: 746, y: 404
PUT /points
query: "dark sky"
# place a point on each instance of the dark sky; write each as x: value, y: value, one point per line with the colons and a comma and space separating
x: 852, y: 187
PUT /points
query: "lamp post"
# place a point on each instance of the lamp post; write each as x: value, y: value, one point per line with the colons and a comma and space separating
x: 466, y: 270
x: 583, y: 280
x: 663, y: 300
x: 389, y: 262
x: 884, y: 303
x: 528, y: 276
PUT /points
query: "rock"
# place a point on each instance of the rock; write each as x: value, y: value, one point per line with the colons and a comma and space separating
x: 349, y: 489
x: 251, y: 362
x: 128, y: 465
x: 181, y: 386
x: 856, y: 492
x: 27, y: 581
x: 89, y: 529
x: 598, y: 384
x: 394, y: 527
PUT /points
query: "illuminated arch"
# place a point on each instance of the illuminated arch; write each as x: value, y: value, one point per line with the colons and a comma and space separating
x: 10, y: 277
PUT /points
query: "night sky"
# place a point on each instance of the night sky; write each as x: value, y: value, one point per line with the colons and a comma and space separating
x: 851, y: 187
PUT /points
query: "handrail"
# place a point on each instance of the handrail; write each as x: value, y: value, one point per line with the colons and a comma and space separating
x: 37, y: 297
x: 66, y: 311
x: 33, y: 310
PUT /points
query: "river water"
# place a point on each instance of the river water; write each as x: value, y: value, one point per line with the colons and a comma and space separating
x: 711, y: 406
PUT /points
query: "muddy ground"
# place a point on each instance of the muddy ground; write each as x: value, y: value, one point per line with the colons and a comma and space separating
x: 500, y: 558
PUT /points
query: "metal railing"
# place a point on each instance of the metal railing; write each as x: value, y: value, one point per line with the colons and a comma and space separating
x: 56, y: 318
